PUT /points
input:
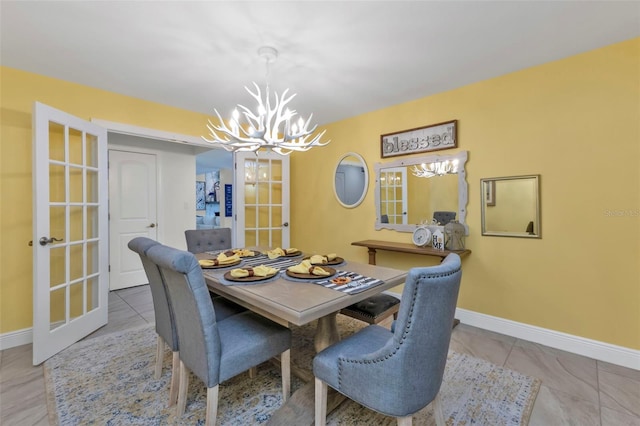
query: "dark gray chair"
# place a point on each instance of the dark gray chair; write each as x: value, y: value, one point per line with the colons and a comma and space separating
x: 215, y: 351
x: 201, y: 240
x: 374, y: 309
x: 397, y: 373
x: 444, y: 217
x: 164, y: 317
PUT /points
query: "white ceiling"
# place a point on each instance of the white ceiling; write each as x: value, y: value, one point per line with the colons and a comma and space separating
x: 342, y: 58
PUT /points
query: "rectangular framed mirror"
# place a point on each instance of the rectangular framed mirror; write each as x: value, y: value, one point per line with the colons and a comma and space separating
x: 511, y: 206
x: 415, y: 190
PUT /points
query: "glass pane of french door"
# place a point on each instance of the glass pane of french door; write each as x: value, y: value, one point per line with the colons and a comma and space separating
x: 263, y: 202
x: 261, y: 199
x: 74, y: 222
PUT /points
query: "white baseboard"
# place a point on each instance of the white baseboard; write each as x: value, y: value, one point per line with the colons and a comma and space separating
x: 613, y: 354
x: 607, y: 352
x: 16, y: 338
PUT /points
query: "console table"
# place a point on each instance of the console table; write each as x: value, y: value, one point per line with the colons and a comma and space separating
x: 374, y: 245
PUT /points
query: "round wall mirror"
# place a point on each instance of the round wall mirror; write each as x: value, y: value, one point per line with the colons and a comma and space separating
x: 351, y: 180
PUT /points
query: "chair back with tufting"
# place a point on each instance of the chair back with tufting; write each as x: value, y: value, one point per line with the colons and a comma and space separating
x: 201, y: 240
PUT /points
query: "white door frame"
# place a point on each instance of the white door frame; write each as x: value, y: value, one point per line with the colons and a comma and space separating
x: 145, y: 132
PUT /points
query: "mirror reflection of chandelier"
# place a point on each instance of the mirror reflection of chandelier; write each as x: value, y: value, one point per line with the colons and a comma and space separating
x: 272, y: 125
x: 438, y: 168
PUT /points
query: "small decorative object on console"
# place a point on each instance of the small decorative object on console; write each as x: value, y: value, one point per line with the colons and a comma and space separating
x: 454, y: 235
x: 437, y: 239
x: 421, y: 236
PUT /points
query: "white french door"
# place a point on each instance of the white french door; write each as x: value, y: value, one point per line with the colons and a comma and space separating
x: 70, y: 230
x: 261, y: 200
x: 132, y: 213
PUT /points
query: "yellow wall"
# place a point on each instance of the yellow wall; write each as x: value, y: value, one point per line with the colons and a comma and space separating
x: 576, y: 123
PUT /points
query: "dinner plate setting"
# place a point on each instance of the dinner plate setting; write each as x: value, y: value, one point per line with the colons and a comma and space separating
x: 306, y: 272
x: 227, y: 276
x: 310, y: 276
x: 320, y: 259
x: 211, y: 264
x: 250, y: 275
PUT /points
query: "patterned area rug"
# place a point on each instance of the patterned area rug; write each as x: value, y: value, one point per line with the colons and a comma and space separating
x: 109, y: 380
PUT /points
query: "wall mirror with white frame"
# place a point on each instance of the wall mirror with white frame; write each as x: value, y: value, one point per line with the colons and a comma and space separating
x: 410, y: 191
x: 511, y: 206
x: 351, y: 180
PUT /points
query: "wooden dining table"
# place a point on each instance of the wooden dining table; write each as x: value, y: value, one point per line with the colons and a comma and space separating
x: 298, y: 303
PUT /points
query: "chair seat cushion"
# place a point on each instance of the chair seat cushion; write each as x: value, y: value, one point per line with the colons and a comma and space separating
x: 365, y: 341
x: 247, y: 340
x: 373, y: 309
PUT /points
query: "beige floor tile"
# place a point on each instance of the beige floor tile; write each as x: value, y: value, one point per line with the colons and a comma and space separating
x: 140, y: 306
x: 28, y: 412
x: 121, y: 317
x: 22, y: 391
x: 619, y: 370
x: 569, y: 373
x: 553, y: 407
x: 17, y: 363
x: 615, y: 418
x: 142, y: 290
x: 619, y: 393
x: 483, y: 344
x: 139, y: 298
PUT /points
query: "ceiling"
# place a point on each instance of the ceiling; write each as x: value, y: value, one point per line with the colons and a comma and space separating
x: 342, y: 58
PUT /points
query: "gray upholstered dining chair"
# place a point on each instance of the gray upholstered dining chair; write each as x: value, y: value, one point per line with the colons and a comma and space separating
x: 215, y: 351
x: 201, y: 240
x: 397, y: 373
x: 164, y: 317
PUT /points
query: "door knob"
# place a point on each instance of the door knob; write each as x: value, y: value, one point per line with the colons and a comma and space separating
x: 153, y: 225
x: 285, y: 224
x: 44, y: 240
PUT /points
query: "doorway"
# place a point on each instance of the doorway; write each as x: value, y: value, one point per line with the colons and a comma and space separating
x: 173, y: 206
x: 214, y: 171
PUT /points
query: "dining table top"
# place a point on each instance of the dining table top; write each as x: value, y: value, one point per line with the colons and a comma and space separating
x: 289, y: 302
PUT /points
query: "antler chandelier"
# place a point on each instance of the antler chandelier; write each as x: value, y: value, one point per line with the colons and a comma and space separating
x: 274, y: 127
x: 438, y: 168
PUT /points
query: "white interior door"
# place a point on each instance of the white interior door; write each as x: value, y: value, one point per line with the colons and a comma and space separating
x: 132, y: 213
x: 70, y: 237
x: 261, y: 202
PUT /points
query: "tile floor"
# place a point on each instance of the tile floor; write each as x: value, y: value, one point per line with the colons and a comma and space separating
x: 575, y: 390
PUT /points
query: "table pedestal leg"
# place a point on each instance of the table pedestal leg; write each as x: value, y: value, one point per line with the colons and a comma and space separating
x: 326, y: 332
x: 300, y: 409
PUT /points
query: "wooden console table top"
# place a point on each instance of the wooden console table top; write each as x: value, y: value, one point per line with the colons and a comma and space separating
x: 374, y: 245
